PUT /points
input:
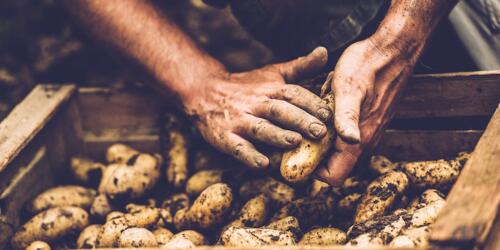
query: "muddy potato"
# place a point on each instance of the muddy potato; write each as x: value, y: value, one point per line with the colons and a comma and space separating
x: 173, y: 204
x: 381, y: 164
x: 201, y: 180
x: 275, y: 190
x: 85, y: 170
x: 324, y: 236
x: 132, y: 179
x: 38, y: 245
x: 69, y: 195
x: 256, y: 237
x: 352, y: 184
x: 162, y: 235
x: 51, y: 225
x: 348, y: 204
x: 426, y: 214
x: 380, y: 195
x: 100, y: 207
x: 318, y: 188
x: 298, y: 163
x: 136, y: 216
x: 288, y: 223
x: 88, y: 237
x: 378, y: 231
x: 309, y: 210
x: 120, y: 153
x: 208, y: 209
x: 253, y: 214
x: 439, y: 174
x: 113, y: 215
x: 176, y: 141
x: 137, y: 237
x: 427, y: 197
x: 194, y: 237
x: 414, y: 237
x: 179, y: 243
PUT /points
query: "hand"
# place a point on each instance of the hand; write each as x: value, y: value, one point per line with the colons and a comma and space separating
x: 231, y: 109
x: 366, y: 82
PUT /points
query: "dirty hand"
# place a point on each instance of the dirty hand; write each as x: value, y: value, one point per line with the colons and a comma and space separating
x: 232, y: 109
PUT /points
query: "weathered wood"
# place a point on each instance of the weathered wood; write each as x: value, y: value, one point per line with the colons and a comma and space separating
x: 29, y: 117
x: 493, y: 242
x: 473, y: 203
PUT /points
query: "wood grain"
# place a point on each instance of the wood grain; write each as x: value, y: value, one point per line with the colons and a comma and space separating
x: 29, y: 117
x: 473, y: 203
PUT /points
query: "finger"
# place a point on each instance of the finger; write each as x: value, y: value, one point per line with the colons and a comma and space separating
x: 304, y: 66
x: 305, y: 100
x: 291, y: 117
x: 244, y: 151
x: 266, y: 132
x: 347, y: 111
x: 340, y: 164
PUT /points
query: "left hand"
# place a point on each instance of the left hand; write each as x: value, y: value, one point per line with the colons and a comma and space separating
x: 366, y: 82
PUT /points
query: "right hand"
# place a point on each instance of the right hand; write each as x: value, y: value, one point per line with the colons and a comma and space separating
x: 232, y: 109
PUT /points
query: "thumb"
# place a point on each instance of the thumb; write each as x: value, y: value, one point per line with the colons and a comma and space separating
x: 347, y: 111
x: 304, y: 66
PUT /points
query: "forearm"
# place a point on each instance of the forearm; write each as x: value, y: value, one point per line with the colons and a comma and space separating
x: 141, y: 32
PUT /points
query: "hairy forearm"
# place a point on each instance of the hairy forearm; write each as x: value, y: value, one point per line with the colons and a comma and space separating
x: 141, y: 32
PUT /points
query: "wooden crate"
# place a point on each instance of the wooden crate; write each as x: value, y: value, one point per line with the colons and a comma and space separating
x: 55, y: 122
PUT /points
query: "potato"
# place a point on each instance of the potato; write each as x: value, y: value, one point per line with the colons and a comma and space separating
x: 137, y: 237
x: 173, y: 204
x: 256, y: 237
x: 179, y: 243
x: 318, y: 188
x: 427, y: 197
x: 439, y: 174
x: 288, y: 223
x: 162, y: 235
x: 275, y: 190
x: 253, y: 214
x: 194, y: 237
x: 348, y: 204
x: 380, y: 195
x: 69, y: 195
x: 88, y: 237
x: 414, y: 237
x: 201, y: 180
x: 353, y: 184
x: 425, y: 215
x: 131, y: 180
x: 176, y: 154
x: 85, y: 170
x: 381, y: 164
x: 51, y: 225
x: 114, y: 214
x: 207, y: 210
x: 38, y: 245
x: 324, y: 236
x: 120, y: 153
x: 137, y: 216
x: 309, y: 210
x: 100, y: 206
x: 378, y: 231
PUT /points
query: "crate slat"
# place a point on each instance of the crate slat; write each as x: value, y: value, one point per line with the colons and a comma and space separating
x: 473, y: 203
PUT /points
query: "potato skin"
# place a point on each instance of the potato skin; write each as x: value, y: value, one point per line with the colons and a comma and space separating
x: 288, y: 223
x: 439, y: 174
x: 381, y: 164
x: 427, y: 197
x: 69, y: 195
x: 137, y: 237
x: 298, y: 163
x: 275, y: 190
x: 380, y: 195
x: 51, y: 225
x: 131, y: 180
x: 177, y: 159
x: 201, y: 180
x: 207, y: 210
x: 86, y: 171
x: 324, y: 237
x: 255, y: 237
x: 414, y: 237
x: 162, y: 235
x: 254, y: 213
x: 309, y: 210
x: 88, y: 237
x: 120, y: 153
x: 38, y: 245
x: 318, y: 188
x: 100, y: 207
x: 113, y: 215
x: 195, y: 237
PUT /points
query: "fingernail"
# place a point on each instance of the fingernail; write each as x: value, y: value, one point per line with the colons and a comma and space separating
x: 317, y: 130
x: 352, y: 135
x: 324, y: 114
x: 261, y: 161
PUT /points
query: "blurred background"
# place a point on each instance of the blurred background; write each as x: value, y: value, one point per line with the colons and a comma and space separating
x: 39, y: 43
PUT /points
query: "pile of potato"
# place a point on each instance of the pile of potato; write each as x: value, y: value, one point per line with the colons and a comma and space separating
x: 138, y: 199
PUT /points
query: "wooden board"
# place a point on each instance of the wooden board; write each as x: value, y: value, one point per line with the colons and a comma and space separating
x: 473, y: 203
x: 29, y: 117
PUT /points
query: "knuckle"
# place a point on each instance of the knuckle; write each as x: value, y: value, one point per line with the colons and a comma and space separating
x: 258, y: 127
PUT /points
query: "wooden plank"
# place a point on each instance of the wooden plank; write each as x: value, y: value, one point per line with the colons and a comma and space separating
x: 444, y: 95
x: 27, y: 118
x: 493, y: 242
x: 473, y: 203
